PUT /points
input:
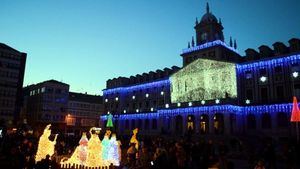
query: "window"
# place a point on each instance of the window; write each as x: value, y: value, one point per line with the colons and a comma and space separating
x: 266, y: 121
x: 251, y: 121
x: 282, y: 120
x: 212, y: 54
x: 132, y: 124
x: 126, y: 124
x: 278, y: 69
x: 146, y: 124
x: 280, y: 92
x: 248, y: 74
x: 249, y: 94
x: 264, y: 94
x: 140, y: 123
x: 263, y: 71
x: 58, y: 91
x: 154, y: 124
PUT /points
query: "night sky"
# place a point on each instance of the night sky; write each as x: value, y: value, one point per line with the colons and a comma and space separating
x: 85, y: 42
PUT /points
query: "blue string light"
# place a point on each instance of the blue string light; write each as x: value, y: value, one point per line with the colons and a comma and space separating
x: 123, y: 90
x: 208, y: 45
x: 239, y: 110
x: 267, y: 63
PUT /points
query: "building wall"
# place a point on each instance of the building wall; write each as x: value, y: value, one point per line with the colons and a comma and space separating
x: 47, y: 102
x: 84, y: 110
x: 12, y: 66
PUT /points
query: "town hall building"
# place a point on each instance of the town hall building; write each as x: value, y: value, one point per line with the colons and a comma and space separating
x: 215, y: 92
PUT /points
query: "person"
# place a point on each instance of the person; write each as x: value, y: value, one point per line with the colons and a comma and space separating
x: 180, y: 155
x: 45, y: 163
x: 131, y: 154
x: 144, y: 160
x: 260, y: 165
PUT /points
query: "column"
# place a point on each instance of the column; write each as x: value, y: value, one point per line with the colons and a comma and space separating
x: 227, y: 122
x: 211, y: 123
x: 197, y: 124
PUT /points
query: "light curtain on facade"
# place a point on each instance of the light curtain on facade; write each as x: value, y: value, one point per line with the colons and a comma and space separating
x: 204, y: 79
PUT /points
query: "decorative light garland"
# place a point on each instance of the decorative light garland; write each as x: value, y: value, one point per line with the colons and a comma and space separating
x: 208, y: 45
x: 239, y: 110
x: 271, y: 62
x: 143, y: 86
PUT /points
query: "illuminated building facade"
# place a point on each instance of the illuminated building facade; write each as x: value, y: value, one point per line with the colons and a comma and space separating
x: 217, y: 91
x: 12, y: 67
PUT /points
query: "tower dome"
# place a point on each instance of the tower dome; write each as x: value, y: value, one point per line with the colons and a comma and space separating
x: 209, y: 28
x: 208, y: 16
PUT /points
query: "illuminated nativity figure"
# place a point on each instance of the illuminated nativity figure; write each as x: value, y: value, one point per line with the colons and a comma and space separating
x: 45, y: 146
x: 94, y: 155
x: 80, y: 154
x: 114, y: 155
x: 105, y: 146
x: 134, y: 139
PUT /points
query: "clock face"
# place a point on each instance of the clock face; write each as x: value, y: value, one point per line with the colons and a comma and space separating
x: 203, y: 36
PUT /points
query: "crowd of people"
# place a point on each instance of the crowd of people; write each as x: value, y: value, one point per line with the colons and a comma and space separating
x: 18, y: 151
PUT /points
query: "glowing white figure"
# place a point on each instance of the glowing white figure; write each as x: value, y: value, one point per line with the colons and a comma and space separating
x: 80, y: 154
x: 114, y: 155
x: 134, y: 139
x: 105, y: 146
x: 45, y: 146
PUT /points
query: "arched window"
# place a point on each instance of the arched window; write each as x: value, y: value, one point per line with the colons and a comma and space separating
x: 132, y: 124
x: 146, y: 124
x: 266, y: 122
x: 154, y: 124
x: 251, y: 121
x: 127, y: 124
x: 140, y: 123
x: 178, y: 124
x: 282, y: 120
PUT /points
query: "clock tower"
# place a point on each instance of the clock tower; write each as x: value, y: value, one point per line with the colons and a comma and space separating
x: 209, y: 43
x: 208, y: 29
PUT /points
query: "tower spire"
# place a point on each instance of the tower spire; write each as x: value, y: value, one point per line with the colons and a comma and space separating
x: 230, y: 42
x: 207, y: 7
x: 234, y: 44
x: 193, y: 42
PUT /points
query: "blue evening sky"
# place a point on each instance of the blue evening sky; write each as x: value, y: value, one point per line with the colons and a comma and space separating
x: 85, y: 42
